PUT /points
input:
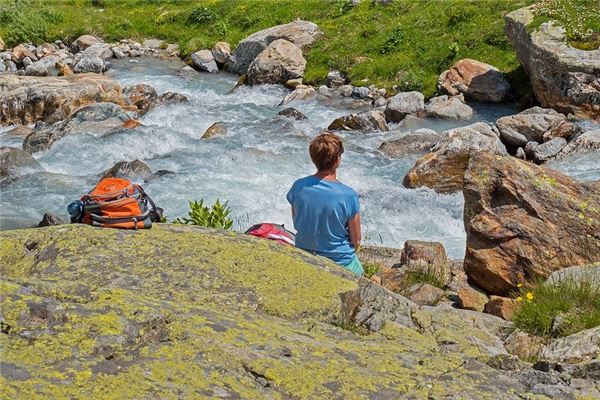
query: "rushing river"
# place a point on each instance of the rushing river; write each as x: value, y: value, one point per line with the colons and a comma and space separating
x: 252, y: 166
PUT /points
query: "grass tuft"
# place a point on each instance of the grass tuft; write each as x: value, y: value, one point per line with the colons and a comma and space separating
x: 430, y: 275
x: 558, y: 309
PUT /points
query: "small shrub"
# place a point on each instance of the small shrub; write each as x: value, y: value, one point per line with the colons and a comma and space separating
x: 344, y: 6
x: 409, y: 81
x: 201, y: 215
x: 392, y: 41
x: 201, y: 16
x: 370, y: 269
x: 428, y: 274
x: 454, y: 49
x: 28, y: 28
x: 558, y: 309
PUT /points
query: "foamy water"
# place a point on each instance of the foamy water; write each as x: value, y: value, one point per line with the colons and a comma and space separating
x: 252, y: 166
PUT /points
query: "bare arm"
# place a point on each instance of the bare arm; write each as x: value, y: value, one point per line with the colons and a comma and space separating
x: 354, y: 230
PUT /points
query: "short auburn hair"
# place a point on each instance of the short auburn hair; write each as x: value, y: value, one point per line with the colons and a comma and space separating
x: 325, y: 150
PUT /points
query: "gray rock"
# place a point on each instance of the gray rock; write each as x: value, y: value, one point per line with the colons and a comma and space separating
x: 278, y: 63
x: 216, y: 129
x: 12, y: 67
x: 135, y: 170
x: 417, y: 142
x: 562, y: 76
x: 100, y: 50
x: 89, y: 64
x: 336, y: 78
x: 520, y: 154
x: 360, y: 92
x: 292, y: 113
x: 380, y: 102
x: 3, y: 67
x: 300, y: 33
x: 448, y: 108
x: 96, y: 119
x: 152, y: 43
x: 85, y: 41
x: 50, y: 220
x: 300, y: 93
x: 586, y: 142
x: 323, y: 90
x: 531, y: 124
x: 118, y: 53
x: 548, y: 150
x: 587, y: 273
x: 42, y: 67
x: 530, y: 147
x: 203, y: 60
x: 403, y: 104
x: 346, y: 90
x: 27, y: 62
x: 366, y: 121
x: 15, y: 162
x: 579, y: 347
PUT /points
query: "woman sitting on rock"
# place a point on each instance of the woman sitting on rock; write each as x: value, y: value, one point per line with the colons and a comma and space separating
x: 325, y: 211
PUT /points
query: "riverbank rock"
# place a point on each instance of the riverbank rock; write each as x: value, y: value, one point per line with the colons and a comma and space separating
x: 529, y: 125
x: 141, y: 95
x: 300, y: 93
x: 514, y: 232
x: 416, y: 142
x: 424, y: 294
x: 576, y: 348
x: 19, y: 131
x: 471, y: 299
x: 563, y: 77
x: 203, y: 60
x: 135, y: 170
x: 300, y: 33
x: 278, y: 63
x: 49, y: 219
x: 16, y: 162
x: 402, y: 104
x: 430, y: 256
x: 27, y: 99
x: 476, y: 80
x: 548, y: 150
x: 502, y: 307
x: 452, y: 107
x: 84, y: 41
x: 95, y: 119
x: 336, y: 78
x: 580, y: 273
x: 221, y: 52
x: 368, y: 121
x: 444, y: 167
x: 218, y: 128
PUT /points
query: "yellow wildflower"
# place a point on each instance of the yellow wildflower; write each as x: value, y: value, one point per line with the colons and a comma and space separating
x: 519, y: 285
x: 529, y: 296
x: 519, y: 299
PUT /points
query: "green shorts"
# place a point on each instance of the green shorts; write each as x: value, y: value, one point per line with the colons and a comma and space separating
x: 355, y: 266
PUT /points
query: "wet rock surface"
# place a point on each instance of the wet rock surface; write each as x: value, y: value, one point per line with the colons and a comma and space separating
x: 281, y: 61
x: 514, y: 232
x: 365, y: 121
x: 418, y: 142
x: 15, y: 162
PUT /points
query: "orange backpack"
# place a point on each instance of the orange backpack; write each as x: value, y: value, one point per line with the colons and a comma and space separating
x: 117, y: 203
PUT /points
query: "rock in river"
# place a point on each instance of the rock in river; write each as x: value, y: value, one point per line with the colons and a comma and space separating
x: 525, y: 221
x: 28, y: 99
x: 529, y: 125
x: 368, y: 121
x: 135, y: 170
x: 15, y: 162
x: 446, y: 107
x: 96, y: 119
x: 417, y: 142
x: 203, y: 60
x: 444, y: 167
x: 402, y: 104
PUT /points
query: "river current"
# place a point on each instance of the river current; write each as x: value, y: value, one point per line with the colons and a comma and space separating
x: 252, y: 166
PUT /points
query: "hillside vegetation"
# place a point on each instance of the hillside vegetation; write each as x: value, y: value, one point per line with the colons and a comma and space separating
x: 406, y: 43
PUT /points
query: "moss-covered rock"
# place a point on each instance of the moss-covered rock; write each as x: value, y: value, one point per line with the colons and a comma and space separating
x: 184, y: 312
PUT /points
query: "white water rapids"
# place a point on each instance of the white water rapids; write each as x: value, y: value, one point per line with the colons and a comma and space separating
x: 252, y: 166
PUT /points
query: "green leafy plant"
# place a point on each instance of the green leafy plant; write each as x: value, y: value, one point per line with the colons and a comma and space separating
x: 558, y: 309
x: 344, y: 6
x: 216, y: 216
x: 201, y: 16
x: 392, y: 41
x: 409, y: 81
x: 370, y: 269
x: 454, y: 49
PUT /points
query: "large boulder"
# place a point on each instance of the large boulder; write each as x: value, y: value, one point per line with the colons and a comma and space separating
x: 419, y: 141
x: 529, y: 125
x: 89, y: 64
x: 221, y: 52
x: 476, y: 80
x: 368, y: 121
x: 144, y: 314
x: 444, y: 167
x: 96, y: 119
x: 581, y: 346
x: 300, y: 33
x: 563, y: 77
x: 452, y: 107
x: 26, y: 99
x: 203, y: 60
x: 403, y: 104
x: 42, y: 67
x: 85, y: 41
x: 278, y: 63
x: 525, y: 221
x: 15, y: 162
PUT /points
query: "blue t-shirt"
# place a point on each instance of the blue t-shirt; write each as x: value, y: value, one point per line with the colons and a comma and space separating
x: 322, y: 210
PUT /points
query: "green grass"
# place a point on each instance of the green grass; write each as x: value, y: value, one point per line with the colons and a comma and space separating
x: 370, y: 269
x: 576, y: 303
x: 408, y: 43
x: 430, y: 275
x: 580, y: 18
